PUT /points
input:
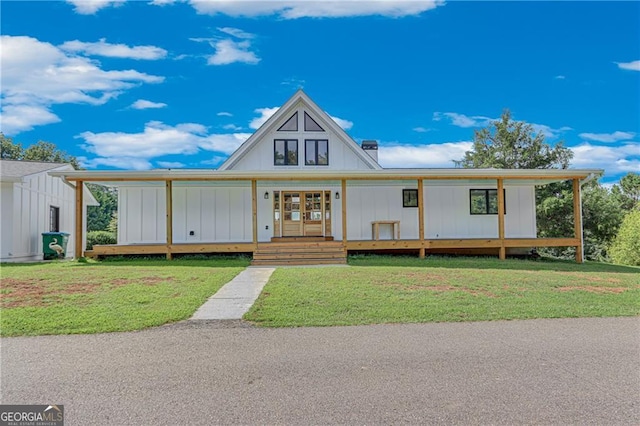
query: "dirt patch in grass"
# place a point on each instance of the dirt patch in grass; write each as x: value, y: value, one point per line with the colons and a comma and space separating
x: 595, y: 289
x: 42, y: 292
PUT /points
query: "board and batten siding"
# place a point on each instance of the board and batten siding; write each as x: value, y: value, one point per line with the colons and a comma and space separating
x: 26, y: 206
x: 447, y: 213
x: 341, y: 155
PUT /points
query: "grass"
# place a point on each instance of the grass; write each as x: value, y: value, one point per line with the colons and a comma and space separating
x: 95, y: 297
x: 379, y: 289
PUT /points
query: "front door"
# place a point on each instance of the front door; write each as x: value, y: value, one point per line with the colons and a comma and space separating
x: 302, y: 213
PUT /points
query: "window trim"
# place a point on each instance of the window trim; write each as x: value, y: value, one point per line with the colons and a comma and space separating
x: 486, y: 200
x: 280, y: 129
x: 54, y: 218
x: 306, y: 160
x: 410, y: 202
x: 314, y: 121
x: 286, y: 152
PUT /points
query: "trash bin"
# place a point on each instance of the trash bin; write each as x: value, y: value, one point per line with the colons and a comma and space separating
x: 54, y: 245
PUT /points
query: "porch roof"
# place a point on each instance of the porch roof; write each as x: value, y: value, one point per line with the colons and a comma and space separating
x: 510, y: 176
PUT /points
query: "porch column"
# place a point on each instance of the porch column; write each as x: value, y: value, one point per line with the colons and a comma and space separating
x: 503, y: 251
x: 344, y: 212
x: 577, y: 219
x: 254, y: 211
x: 79, y: 250
x: 169, y: 217
x: 421, y: 216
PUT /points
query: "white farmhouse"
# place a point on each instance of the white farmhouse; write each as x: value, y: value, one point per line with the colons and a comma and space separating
x: 300, y: 190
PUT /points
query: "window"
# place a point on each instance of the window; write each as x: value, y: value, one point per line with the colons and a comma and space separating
x: 409, y: 198
x: 291, y: 125
x: 485, y: 201
x: 285, y: 152
x: 310, y: 124
x: 316, y: 152
x: 54, y: 219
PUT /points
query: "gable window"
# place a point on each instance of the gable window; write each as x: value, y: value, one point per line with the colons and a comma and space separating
x: 285, y: 152
x: 409, y: 198
x: 310, y: 124
x: 291, y: 125
x: 316, y: 152
x: 54, y: 219
x: 485, y: 201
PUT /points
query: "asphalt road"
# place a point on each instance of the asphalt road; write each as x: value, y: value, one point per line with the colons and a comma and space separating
x: 569, y: 371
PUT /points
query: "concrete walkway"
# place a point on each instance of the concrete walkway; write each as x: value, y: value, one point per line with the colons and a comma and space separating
x: 235, y: 298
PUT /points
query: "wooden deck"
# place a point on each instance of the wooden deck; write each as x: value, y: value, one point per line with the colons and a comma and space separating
x: 298, y: 251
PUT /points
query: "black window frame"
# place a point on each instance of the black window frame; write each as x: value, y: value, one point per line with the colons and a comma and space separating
x: 315, y: 141
x: 54, y: 218
x: 486, y: 201
x: 295, y: 118
x: 286, y: 152
x: 410, y: 197
x: 314, y: 122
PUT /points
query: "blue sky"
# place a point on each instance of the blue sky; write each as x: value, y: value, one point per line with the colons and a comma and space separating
x: 139, y: 85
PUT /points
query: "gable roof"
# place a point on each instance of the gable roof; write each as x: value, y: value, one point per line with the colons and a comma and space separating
x: 15, y: 170
x: 284, y: 112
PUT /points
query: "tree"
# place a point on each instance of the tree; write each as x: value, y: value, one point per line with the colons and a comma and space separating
x: 98, y: 217
x: 625, y: 249
x: 509, y: 144
x: 41, y: 151
x: 628, y: 191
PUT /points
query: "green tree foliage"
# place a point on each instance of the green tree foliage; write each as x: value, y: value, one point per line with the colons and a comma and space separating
x: 625, y: 249
x: 99, y: 238
x: 41, y: 151
x: 98, y: 217
x: 628, y: 191
x: 509, y: 144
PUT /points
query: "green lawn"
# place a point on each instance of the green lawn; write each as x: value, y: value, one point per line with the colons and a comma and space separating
x: 380, y: 289
x: 72, y: 297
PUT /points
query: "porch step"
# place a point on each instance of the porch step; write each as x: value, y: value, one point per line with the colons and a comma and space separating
x: 300, y: 253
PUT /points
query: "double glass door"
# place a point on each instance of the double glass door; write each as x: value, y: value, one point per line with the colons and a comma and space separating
x: 302, y: 213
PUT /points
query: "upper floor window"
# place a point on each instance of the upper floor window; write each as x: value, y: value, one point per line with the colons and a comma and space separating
x: 291, y: 125
x: 485, y: 201
x: 316, y: 152
x: 285, y: 152
x: 310, y: 124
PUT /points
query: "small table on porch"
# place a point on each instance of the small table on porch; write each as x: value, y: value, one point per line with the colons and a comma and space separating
x: 395, y: 228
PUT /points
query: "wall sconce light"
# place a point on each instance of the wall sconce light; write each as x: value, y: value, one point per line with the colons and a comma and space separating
x: 266, y: 195
x: 337, y: 195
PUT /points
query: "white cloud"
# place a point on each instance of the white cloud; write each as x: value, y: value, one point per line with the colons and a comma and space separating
x: 608, y: 137
x: 232, y: 127
x: 17, y: 118
x: 316, y: 9
x: 432, y: 155
x: 170, y: 164
x: 549, y: 132
x: 265, y: 114
x: 230, y: 51
x: 38, y: 75
x: 145, y: 104
x: 90, y: 7
x: 421, y: 129
x: 345, y: 124
x: 224, y: 114
x: 633, y: 65
x: 162, y: 2
x: 461, y: 120
x: 613, y: 159
x: 236, y: 32
x: 560, y: 77
x: 136, y: 150
x: 102, y: 48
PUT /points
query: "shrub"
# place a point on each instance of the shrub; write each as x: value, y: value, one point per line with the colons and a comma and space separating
x: 99, y: 238
x: 625, y: 249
